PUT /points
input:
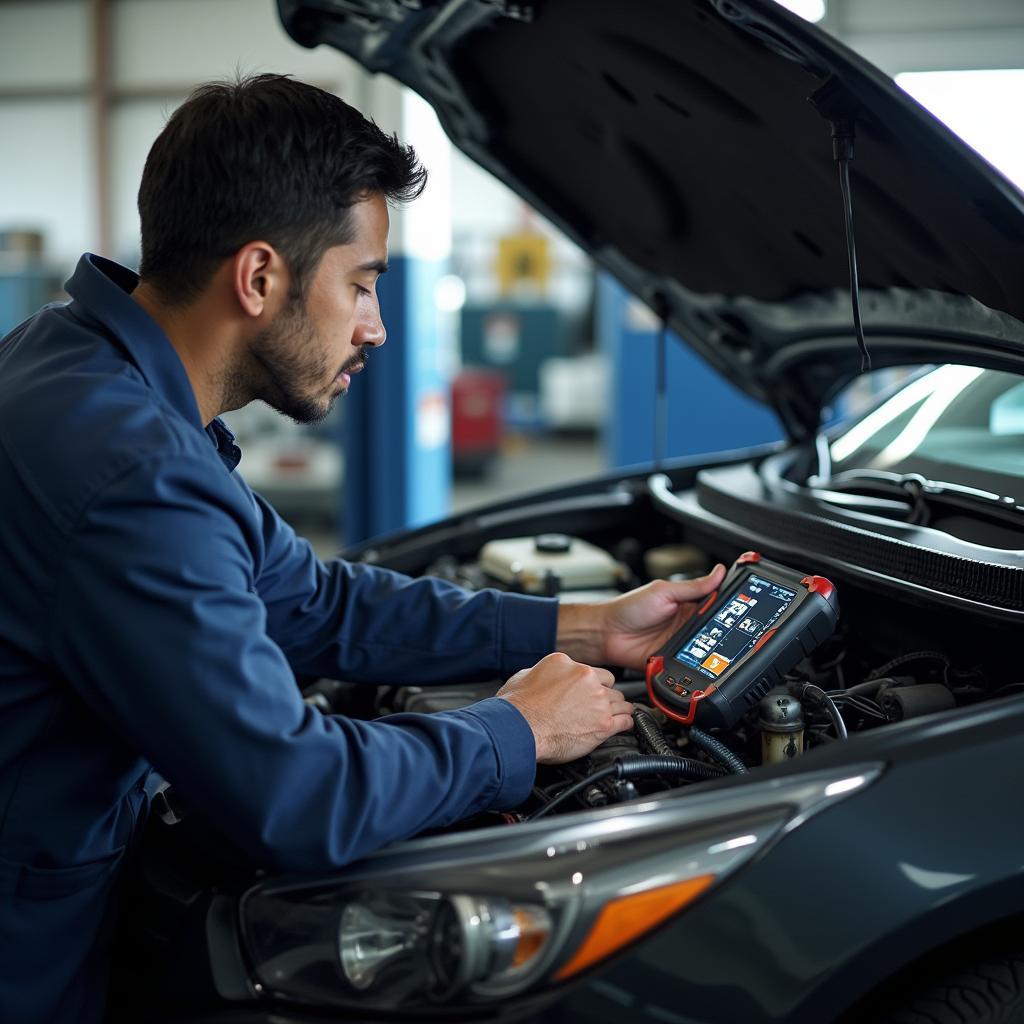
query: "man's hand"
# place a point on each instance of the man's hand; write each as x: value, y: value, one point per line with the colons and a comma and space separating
x: 570, y: 707
x: 628, y: 629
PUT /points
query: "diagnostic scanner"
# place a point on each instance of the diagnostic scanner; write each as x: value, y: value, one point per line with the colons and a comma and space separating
x: 741, y: 642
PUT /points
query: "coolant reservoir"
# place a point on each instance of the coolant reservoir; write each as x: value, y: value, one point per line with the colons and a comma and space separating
x: 781, y: 719
x: 550, y: 563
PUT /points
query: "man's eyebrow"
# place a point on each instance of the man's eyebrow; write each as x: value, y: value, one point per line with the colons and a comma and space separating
x: 380, y: 266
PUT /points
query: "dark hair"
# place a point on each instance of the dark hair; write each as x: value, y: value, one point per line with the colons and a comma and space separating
x: 264, y: 157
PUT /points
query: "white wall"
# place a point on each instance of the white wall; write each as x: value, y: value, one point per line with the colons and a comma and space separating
x: 44, y: 43
x: 47, y: 168
x: 47, y: 174
x: 931, y: 35
x: 181, y: 42
x: 160, y: 49
x: 170, y: 46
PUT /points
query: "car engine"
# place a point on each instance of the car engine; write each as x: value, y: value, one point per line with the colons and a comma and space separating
x: 889, y: 661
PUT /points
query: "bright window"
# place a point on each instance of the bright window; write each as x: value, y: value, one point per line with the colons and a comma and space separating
x: 982, y: 107
x: 812, y: 10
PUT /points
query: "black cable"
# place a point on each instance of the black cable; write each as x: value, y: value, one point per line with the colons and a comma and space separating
x: 861, y: 696
x: 634, y: 767
x: 868, y: 688
x: 861, y: 704
x: 653, y: 739
x: 716, y: 749
x: 904, y: 659
x: 649, y: 734
x: 842, y: 153
x: 810, y: 689
x: 851, y: 254
x: 854, y: 700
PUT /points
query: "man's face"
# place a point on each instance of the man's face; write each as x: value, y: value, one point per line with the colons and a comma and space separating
x: 309, y: 352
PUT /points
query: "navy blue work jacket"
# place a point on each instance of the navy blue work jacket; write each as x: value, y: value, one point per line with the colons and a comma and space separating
x: 155, y: 614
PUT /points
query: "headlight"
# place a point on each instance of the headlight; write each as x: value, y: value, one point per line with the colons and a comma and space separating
x: 515, y: 909
x: 408, y: 946
x: 448, y: 941
x: 381, y: 937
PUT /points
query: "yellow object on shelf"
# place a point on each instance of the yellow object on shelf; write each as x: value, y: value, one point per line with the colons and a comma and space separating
x: 524, y: 257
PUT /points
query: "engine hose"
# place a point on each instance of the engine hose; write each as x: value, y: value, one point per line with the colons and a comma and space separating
x: 716, y: 749
x: 904, y: 659
x: 631, y: 768
x: 818, y: 694
x: 649, y: 734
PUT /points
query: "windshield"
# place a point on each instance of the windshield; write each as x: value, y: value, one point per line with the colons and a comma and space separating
x: 955, y: 424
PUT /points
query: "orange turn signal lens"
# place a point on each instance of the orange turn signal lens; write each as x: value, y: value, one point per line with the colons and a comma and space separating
x: 534, y: 927
x: 625, y: 919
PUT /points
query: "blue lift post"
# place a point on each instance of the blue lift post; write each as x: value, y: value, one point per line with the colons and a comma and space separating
x: 705, y: 412
x: 396, y: 424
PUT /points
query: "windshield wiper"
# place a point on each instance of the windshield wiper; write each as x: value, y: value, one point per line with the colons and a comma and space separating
x: 918, y: 496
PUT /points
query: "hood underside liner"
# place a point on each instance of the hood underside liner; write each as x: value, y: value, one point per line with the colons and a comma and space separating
x: 674, y: 141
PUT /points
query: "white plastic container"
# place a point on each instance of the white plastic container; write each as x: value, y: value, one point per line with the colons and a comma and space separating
x: 550, y: 563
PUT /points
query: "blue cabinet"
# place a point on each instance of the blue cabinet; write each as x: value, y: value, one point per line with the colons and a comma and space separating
x: 23, y: 291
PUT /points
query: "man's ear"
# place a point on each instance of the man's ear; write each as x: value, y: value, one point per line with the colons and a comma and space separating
x: 259, y: 278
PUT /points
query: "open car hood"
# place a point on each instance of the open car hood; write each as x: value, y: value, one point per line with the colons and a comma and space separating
x: 675, y: 142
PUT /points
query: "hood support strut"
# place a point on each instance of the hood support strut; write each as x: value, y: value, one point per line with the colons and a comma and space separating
x: 835, y: 105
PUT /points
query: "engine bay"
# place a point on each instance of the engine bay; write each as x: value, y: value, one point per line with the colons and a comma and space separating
x: 902, y: 656
x: 889, y: 661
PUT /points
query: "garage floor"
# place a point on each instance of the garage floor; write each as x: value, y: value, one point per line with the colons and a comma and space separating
x: 527, y: 464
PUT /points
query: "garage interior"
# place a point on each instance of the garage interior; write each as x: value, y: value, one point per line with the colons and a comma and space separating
x: 739, y: 586
x: 521, y: 338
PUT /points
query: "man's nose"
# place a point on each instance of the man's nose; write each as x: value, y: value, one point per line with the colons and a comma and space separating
x: 370, y: 332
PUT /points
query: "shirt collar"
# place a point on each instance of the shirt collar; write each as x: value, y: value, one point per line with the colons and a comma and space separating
x: 101, y: 289
x: 224, y: 441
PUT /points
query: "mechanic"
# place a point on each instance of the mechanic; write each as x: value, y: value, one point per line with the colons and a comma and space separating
x: 157, y: 612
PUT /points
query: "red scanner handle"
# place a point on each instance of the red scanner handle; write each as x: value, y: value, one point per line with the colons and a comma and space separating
x: 654, y: 665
